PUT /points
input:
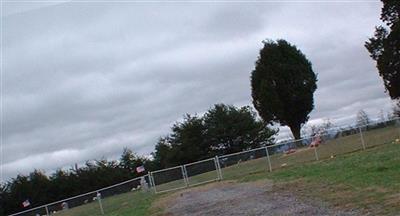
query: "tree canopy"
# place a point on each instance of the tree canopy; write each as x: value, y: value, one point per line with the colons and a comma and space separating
x: 184, y: 144
x: 283, y: 83
x: 396, y: 110
x: 231, y: 129
x: 384, y: 47
x: 223, y: 129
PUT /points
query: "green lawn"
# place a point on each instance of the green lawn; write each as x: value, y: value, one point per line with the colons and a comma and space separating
x: 127, y: 204
x: 344, y: 175
x: 329, y: 148
x: 367, y: 179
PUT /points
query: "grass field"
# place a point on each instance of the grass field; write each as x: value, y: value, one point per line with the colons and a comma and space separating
x: 127, y: 204
x: 367, y: 179
x: 344, y: 176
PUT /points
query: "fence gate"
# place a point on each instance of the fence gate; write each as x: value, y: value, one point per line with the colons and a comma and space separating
x: 169, y: 179
x: 201, y: 172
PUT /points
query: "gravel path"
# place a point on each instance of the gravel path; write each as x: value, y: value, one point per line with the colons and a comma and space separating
x: 230, y: 199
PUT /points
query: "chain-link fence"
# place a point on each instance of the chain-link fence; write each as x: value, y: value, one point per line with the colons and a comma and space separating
x: 87, y: 203
x: 191, y: 174
x: 291, y: 153
x: 202, y: 172
x: 42, y: 210
x: 243, y: 163
x: 380, y: 133
x: 96, y: 202
x: 129, y: 193
x: 339, y: 141
x: 332, y: 142
x: 169, y: 179
x: 326, y: 144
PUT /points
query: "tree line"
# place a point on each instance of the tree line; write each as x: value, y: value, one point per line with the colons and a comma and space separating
x: 223, y: 129
x: 39, y: 188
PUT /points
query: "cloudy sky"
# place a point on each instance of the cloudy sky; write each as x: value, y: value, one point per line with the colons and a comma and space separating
x: 84, y: 80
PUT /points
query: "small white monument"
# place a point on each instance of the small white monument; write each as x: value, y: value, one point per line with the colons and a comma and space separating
x: 143, y: 184
x: 64, y: 206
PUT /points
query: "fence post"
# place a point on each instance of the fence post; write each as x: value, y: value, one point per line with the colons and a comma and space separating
x: 152, y: 182
x: 362, y: 138
x: 397, y: 124
x: 316, y: 153
x: 269, y: 161
x: 98, y: 196
x: 216, y: 169
x: 219, y: 171
x: 47, y: 211
x: 186, y: 174
x: 185, y: 179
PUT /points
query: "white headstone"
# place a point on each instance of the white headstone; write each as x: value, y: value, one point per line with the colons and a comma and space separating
x: 143, y: 184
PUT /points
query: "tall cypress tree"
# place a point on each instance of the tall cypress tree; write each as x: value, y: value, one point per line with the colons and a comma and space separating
x: 283, y: 84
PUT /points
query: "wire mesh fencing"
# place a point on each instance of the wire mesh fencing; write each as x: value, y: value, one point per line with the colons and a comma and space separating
x: 381, y: 132
x: 202, y: 172
x: 191, y: 174
x: 83, y: 204
x: 35, y: 211
x: 128, y: 193
x: 291, y: 153
x: 97, y: 202
x: 169, y: 179
x: 62, y: 207
x: 339, y: 141
x: 243, y: 163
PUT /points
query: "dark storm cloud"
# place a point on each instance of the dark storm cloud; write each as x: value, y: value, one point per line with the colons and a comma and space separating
x: 82, y: 81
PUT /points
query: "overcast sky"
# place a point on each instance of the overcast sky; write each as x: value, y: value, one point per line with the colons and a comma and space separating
x: 84, y: 80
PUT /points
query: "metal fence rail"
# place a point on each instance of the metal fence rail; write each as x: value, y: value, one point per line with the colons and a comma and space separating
x: 242, y: 163
x: 328, y: 144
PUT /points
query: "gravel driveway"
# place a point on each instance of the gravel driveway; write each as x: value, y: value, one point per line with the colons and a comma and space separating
x: 229, y: 199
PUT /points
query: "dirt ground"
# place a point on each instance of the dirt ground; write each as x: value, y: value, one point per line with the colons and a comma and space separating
x: 230, y: 199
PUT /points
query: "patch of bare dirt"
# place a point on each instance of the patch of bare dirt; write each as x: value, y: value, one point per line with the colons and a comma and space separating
x: 230, y: 199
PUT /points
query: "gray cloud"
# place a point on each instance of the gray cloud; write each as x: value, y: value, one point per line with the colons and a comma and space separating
x: 84, y: 80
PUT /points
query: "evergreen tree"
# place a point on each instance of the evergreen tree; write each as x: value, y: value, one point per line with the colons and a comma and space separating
x: 384, y: 47
x: 231, y: 129
x: 283, y: 84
